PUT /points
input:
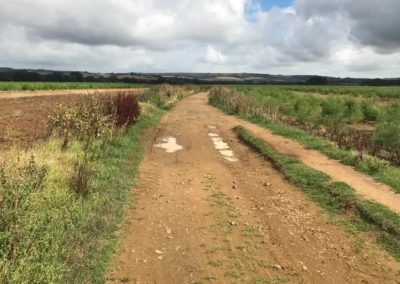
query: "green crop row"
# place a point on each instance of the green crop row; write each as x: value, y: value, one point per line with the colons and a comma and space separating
x: 32, y: 86
x: 361, y: 91
x: 364, y: 125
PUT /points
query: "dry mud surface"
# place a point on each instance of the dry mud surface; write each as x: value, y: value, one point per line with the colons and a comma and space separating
x: 201, y: 216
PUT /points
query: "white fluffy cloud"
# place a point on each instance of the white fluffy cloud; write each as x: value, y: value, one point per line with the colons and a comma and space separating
x: 337, y: 37
x: 214, y: 56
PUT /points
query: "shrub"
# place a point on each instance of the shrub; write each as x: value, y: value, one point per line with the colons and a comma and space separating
x: 370, y: 111
x: 93, y: 117
x: 126, y: 107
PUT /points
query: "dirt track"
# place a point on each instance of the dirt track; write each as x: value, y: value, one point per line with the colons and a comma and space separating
x: 199, y: 218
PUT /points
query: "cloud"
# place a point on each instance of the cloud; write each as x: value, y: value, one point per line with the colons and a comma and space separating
x: 337, y: 37
x: 214, y: 56
x: 370, y: 22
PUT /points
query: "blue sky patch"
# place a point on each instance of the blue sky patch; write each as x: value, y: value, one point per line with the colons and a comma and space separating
x: 268, y: 4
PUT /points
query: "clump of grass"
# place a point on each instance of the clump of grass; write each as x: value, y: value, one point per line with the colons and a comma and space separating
x: 81, y: 177
x: 335, y: 197
x: 18, y: 182
x: 164, y: 96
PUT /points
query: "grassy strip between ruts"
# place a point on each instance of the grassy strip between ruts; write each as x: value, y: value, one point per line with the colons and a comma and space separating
x: 335, y: 197
x: 66, y: 238
x: 379, y: 169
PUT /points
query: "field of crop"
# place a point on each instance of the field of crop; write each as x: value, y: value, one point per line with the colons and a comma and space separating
x: 360, y: 131
x: 365, y: 123
x: 355, y: 91
x: 32, y: 86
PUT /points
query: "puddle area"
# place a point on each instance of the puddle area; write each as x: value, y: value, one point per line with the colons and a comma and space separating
x: 220, y: 145
x: 169, y: 144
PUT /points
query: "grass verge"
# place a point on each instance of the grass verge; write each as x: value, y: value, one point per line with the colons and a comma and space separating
x: 59, y: 236
x: 335, y: 197
x: 381, y: 170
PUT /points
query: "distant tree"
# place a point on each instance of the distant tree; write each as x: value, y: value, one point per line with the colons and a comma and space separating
x: 23, y: 75
x: 77, y: 76
x: 317, y: 80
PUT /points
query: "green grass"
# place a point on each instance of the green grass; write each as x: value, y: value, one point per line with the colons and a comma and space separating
x: 381, y: 170
x: 66, y: 238
x: 335, y: 197
x: 32, y: 86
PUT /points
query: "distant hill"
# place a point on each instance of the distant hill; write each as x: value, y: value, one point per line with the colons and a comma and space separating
x: 10, y: 74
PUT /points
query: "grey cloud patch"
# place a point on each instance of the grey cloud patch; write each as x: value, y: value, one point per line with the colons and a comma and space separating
x: 300, y: 38
x: 377, y: 23
x: 371, y: 22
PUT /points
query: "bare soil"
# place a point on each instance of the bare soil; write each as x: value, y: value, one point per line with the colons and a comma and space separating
x: 199, y: 218
x: 24, y: 115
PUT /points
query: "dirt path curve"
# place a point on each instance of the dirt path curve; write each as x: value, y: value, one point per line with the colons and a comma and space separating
x: 200, y: 218
x: 5, y: 95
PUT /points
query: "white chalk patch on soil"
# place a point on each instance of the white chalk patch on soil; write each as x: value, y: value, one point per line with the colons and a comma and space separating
x: 170, y: 145
x: 222, y: 147
x: 219, y: 144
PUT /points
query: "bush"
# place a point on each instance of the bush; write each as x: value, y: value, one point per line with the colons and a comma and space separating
x: 370, y: 111
x: 91, y: 118
x: 94, y: 117
x: 126, y: 107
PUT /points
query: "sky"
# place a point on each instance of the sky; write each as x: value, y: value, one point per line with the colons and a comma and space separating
x: 343, y: 38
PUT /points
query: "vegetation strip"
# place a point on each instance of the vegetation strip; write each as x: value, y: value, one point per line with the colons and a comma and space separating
x: 34, y: 86
x: 256, y: 111
x: 335, y: 197
x: 63, y: 200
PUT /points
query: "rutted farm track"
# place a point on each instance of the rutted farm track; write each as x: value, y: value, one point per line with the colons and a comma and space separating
x: 198, y: 217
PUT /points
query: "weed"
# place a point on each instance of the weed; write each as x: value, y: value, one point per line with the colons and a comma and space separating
x: 126, y: 107
x: 18, y: 183
x: 80, y: 177
x: 232, y: 274
x: 263, y: 264
x: 272, y: 280
x: 215, y: 263
x: 164, y: 96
